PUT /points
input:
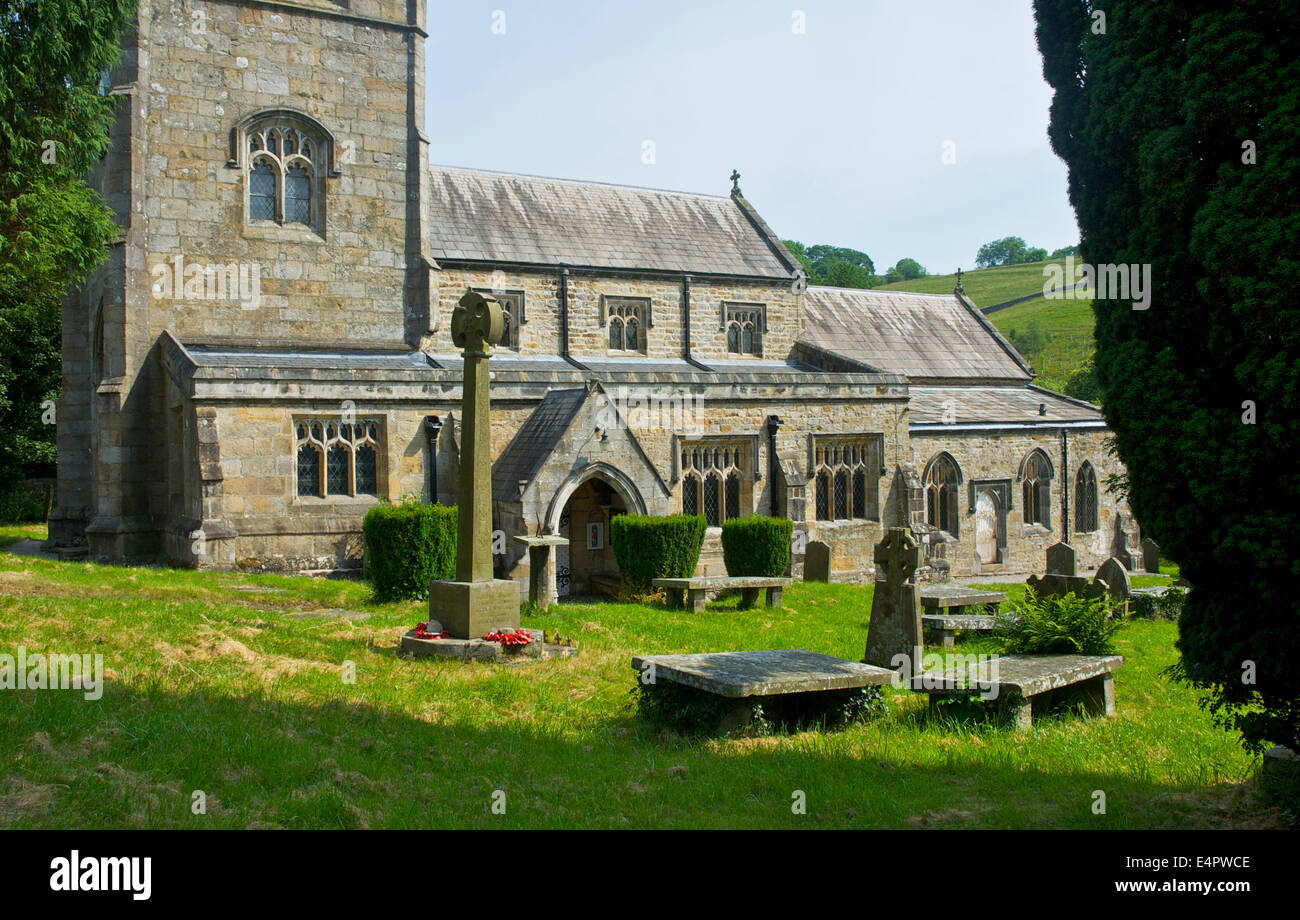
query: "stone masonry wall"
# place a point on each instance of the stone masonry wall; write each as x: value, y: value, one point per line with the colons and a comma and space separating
x: 996, y: 456
x: 589, y: 337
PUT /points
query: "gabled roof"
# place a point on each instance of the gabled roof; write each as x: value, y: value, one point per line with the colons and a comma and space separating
x: 536, y: 438
x: 926, y: 337
x: 1009, y: 406
x: 503, y: 218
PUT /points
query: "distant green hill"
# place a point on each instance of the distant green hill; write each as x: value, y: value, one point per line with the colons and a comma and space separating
x: 1055, y: 336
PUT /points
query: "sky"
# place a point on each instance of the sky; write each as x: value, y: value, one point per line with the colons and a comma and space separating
x: 838, y: 115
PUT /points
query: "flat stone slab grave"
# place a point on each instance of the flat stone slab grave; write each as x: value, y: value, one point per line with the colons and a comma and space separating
x: 935, y: 598
x: 759, y: 678
x: 483, y: 650
x: 949, y: 608
x: 944, y: 627
x: 1016, y: 681
x: 698, y: 588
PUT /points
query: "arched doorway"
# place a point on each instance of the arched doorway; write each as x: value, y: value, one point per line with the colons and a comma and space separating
x: 581, y: 510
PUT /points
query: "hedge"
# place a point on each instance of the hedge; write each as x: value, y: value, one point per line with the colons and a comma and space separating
x: 756, y: 545
x: 648, y: 546
x: 407, y: 546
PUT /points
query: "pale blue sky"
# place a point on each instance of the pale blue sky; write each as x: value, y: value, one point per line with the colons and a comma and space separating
x: 838, y: 132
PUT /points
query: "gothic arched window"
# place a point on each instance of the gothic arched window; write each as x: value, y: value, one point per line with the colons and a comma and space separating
x: 942, y: 479
x: 628, y: 319
x: 713, y: 481
x: 1085, y: 499
x: 285, y: 157
x: 846, y: 474
x: 1036, y: 489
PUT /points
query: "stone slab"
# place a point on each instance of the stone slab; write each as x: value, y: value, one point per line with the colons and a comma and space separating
x: 764, y: 673
x: 1028, y: 675
x: 937, y: 597
x: 948, y: 621
x: 719, y: 582
x: 1152, y: 591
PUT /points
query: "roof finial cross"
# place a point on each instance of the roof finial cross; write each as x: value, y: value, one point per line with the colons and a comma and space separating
x: 735, y: 182
x: 960, y: 289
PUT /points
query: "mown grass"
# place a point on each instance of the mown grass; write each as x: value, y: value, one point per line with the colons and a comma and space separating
x: 233, y: 685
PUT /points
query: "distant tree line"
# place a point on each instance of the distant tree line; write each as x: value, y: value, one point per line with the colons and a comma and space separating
x: 838, y: 266
x: 1012, y: 250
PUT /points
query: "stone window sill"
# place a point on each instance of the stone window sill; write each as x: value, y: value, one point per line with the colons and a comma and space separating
x: 294, y: 233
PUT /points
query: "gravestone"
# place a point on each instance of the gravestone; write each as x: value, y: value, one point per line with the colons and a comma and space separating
x: 475, y: 603
x: 1060, y: 577
x: 817, y: 561
x: 1150, y: 555
x: 1114, y: 578
x: 1060, y: 559
x: 895, y: 627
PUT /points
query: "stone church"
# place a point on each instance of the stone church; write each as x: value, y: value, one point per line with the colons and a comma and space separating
x: 266, y: 354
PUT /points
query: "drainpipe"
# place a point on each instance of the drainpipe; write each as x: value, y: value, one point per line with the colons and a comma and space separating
x: 686, y: 324
x: 432, y: 428
x: 1065, y: 489
x: 773, y: 424
x: 564, y: 313
x: 563, y: 297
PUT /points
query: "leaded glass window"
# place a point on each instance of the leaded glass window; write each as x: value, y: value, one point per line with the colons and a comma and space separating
x: 1085, y: 499
x: 942, y: 478
x: 337, y: 458
x: 744, y: 323
x: 713, y: 480
x: 283, y: 175
x: 1036, y: 489
x: 847, y: 474
x: 627, y: 320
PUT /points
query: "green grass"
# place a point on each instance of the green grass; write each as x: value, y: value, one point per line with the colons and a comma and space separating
x: 1063, y: 339
x: 218, y: 683
x: 985, y: 287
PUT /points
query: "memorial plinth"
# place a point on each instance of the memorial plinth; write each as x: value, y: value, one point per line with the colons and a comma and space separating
x: 541, y: 587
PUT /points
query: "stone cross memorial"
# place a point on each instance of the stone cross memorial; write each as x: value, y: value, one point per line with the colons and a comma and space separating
x: 895, y: 627
x: 475, y: 603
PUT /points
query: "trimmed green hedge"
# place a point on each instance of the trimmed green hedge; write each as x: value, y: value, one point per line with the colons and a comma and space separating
x: 407, y: 546
x: 756, y: 545
x: 648, y: 546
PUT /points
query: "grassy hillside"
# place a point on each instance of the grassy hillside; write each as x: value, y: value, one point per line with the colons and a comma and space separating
x: 1054, y: 335
x: 985, y: 286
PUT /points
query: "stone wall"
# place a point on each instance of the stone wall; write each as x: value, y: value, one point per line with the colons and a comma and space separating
x: 190, y: 73
x: 993, y: 455
x: 589, y: 335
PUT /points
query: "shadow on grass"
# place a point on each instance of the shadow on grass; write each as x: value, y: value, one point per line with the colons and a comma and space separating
x: 137, y: 757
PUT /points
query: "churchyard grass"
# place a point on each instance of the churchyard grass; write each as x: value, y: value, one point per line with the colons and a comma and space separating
x: 234, y: 685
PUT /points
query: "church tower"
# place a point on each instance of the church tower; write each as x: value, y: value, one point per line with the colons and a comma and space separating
x: 269, y: 174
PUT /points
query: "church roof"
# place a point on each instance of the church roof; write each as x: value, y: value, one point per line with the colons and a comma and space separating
x: 504, y: 218
x: 926, y: 337
x: 934, y: 409
x: 535, y: 440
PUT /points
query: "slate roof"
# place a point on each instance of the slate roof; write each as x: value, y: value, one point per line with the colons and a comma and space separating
x: 526, y: 453
x: 480, y: 216
x: 998, y: 405
x: 926, y: 337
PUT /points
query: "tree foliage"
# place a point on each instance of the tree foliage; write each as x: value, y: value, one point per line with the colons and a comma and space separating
x: 54, y: 125
x: 1180, y: 125
x: 834, y: 265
